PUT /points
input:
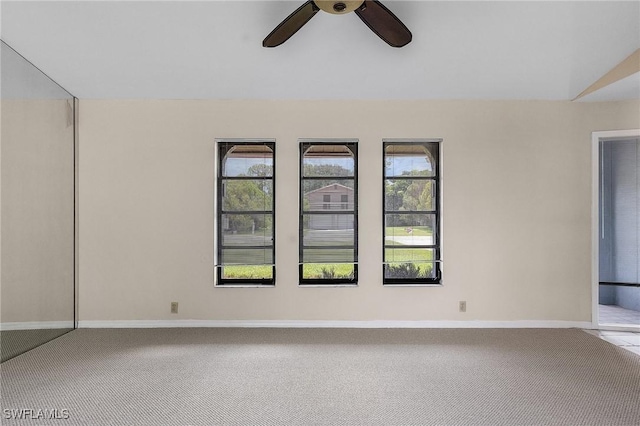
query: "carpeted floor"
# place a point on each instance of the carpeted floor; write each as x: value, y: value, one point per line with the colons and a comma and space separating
x: 324, y: 377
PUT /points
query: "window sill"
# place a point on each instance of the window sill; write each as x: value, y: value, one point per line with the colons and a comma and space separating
x: 327, y: 285
x: 244, y: 285
x: 412, y: 285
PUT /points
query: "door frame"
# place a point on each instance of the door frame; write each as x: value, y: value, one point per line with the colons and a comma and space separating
x: 596, y: 137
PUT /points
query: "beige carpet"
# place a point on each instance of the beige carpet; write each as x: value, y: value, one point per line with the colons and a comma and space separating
x: 325, y: 377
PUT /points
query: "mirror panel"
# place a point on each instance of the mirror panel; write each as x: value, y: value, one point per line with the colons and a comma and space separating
x: 37, y: 207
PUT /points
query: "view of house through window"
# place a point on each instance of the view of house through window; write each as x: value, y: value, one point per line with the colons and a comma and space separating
x: 411, y: 213
x: 328, y: 224
x: 328, y: 212
x: 245, y: 213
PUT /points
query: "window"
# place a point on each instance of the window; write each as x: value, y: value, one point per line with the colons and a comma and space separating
x: 245, y: 213
x: 326, y: 199
x: 328, y: 230
x: 411, y: 228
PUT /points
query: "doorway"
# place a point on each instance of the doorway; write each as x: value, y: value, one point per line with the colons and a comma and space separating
x: 616, y: 230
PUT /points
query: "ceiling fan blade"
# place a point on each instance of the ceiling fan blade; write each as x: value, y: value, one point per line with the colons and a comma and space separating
x: 384, y: 23
x: 291, y: 24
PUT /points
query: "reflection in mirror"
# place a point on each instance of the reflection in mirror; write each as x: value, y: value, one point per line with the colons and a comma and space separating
x: 37, y: 163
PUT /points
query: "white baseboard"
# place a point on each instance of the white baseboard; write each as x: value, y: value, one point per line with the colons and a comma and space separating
x: 330, y: 324
x: 619, y: 327
x: 35, y: 325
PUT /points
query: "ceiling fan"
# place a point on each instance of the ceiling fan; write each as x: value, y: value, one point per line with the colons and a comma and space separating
x: 373, y: 13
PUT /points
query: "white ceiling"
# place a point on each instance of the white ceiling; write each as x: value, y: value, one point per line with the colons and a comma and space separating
x: 213, y: 50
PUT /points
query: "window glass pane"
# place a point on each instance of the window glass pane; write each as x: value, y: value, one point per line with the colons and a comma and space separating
x: 242, y: 225
x: 248, y: 160
x: 328, y: 185
x: 409, y: 194
x: 327, y: 271
x: 408, y: 160
x: 245, y: 241
x: 399, y: 254
x: 410, y: 270
x: 409, y: 263
x: 328, y: 237
x: 328, y: 194
x: 253, y: 272
x: 315, y: 255
x: 410, y: 185
x: 409, y: 229
x: 247, y: 230
x: 242, y: 256
x: 247, y: 195
x: 328, y: 160
x: 337, y: 227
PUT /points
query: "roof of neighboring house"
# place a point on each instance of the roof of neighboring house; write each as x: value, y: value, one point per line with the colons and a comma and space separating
x: 326, y: 187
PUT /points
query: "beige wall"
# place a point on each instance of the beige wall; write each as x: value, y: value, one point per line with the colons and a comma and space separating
x: 37, y: 211
x: 516, y: 178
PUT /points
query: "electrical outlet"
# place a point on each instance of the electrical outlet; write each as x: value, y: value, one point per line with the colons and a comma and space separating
x: 174, y: 307
x: 463, y: 306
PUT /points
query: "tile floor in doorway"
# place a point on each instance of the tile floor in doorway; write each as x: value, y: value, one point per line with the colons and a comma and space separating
x: 616, y: 315
x: 612, y: 315
x: 624, y: 339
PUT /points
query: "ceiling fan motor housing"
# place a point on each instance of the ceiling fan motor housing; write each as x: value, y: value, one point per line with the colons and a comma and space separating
x: 338, y: 7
